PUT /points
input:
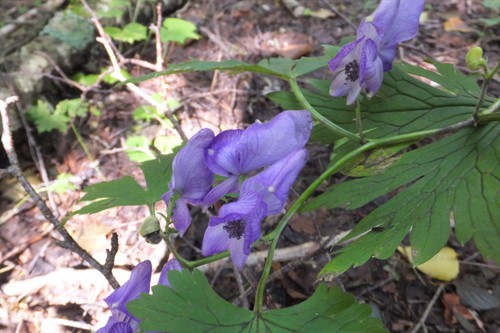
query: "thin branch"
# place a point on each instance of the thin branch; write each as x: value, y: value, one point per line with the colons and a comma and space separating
x: 339, y: 13
x: 68, y: 241
x: 159, y: 67
x: 428, y: 309
x: 5, y: 173
x: 113, y: 55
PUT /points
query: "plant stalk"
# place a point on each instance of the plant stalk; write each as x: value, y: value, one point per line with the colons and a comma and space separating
x: 316, y: 115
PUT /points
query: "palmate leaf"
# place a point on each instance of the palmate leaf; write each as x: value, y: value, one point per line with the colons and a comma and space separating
x: 447, y: 176
x: 402, y: 105
x: 192, y: 306
x: 126, y: 191
x: 454, y: 178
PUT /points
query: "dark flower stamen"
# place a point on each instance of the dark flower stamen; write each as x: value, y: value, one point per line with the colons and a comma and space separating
x: 235, y: 229
x: 352, y: 71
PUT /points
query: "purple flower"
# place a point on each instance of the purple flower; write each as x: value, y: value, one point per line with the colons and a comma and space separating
x: 236, y: 228
x: 236, y: 152
x: 238, y: 225
x: 273, y: 184
x: 121, y: 321
x: 172, y: 264
x: 360, y: 65
x: 191, y: 179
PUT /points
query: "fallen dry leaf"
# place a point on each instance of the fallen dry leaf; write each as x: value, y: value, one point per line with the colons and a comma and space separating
x: 455, y: 23
x: 452, y: 304
x: 443, y: 266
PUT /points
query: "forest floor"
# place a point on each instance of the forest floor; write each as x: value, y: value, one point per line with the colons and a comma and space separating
x: 45, y: 288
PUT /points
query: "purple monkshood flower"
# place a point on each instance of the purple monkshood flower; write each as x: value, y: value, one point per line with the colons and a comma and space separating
x: 238, y: 152
x: 121, y: 321
x: 360, y: 65
x: 172, y: 264
x: 237, y: 226
x: 274, y: 183
x: 191, y: 179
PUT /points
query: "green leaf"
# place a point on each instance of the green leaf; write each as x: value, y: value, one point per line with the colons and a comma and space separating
x: 112, y: 9
x: 192, y: 306
x: 145, y: 112
x: 491, y: 22
x: 135, y: 32
x: 374, y: 162
x: 72, y: 108
x: 492, y: 4
x: 166, y: 144
x: 447, y: 76
x: 85, y: 79
x: 45, y: 119
x: 131, y: 33
x: 177, y: 30
x: 62, y: 184
x: 110, y: 78
x: 137, y: 148
x: 157, y: 173
x: 456, y: 177
x: 120, y: 192
x: 283, y: 68
x: 127, y: 192
x: 402, y: 105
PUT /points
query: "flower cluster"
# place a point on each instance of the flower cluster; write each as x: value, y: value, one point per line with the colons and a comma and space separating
x: 274, y: 149
x: 360, y: 65
x: 121, y: 321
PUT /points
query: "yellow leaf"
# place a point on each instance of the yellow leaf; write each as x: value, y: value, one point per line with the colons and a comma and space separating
x: 455, y: 23
x: 443, y: 266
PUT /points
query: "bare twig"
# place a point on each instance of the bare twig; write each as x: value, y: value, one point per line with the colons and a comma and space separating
x: 4, y: 173
x: 241, y: 288
x: 159, y: 67
x: 58, y: 69
x: 35, y: 152
x: 339, y: 13
x: 68, y: 241
x: 114, y: 55
x: 428, y: 309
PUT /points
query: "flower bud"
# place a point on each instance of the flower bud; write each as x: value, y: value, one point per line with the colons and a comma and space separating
x: 474, y: 58
x: 150, y: 230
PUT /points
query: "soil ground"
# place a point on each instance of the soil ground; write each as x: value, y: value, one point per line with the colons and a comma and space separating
x: 45, y: 288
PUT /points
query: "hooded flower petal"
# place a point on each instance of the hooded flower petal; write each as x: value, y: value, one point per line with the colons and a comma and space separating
x: 221, y: 155
x: 241, y: 152
x: 172, y: 264
x: 138, y: 283
x: 191, y: 178
x: 264, y: 144
x: 121, y: 321
x: 273, y: 184
x: 397, y: 20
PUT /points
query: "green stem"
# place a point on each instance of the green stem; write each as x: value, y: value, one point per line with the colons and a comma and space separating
x: 491, y: 109
x: 488, y: 76
x: 82, y: 143
x: 359, y: 125
x: 316, y: 115
x: 274, y: 235
x: 491, y: 74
